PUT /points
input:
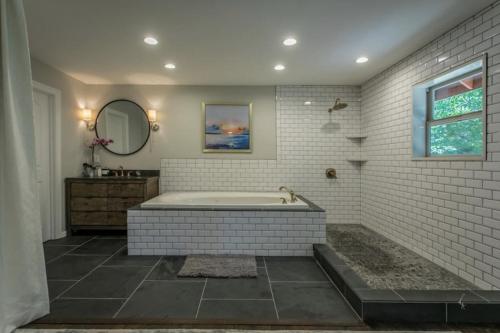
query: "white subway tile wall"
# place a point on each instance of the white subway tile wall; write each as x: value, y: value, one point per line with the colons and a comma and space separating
x: 447, y: 211
x: 170, y: 232
x: 309, y: 141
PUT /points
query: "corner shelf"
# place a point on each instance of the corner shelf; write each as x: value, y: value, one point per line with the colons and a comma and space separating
x: 356, y: 137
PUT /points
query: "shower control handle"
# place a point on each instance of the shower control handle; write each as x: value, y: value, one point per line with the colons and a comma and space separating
x: 331, y: 173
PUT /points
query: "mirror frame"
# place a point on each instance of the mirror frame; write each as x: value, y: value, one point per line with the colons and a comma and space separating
x: 145, y: 115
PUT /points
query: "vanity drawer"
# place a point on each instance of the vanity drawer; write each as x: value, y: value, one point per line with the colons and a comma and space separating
x: 117, y: 218
x: 89, y: 204
x: 126, y: 190
x: 88, y: 218
x: 89, y: 190
x: 122, y: 204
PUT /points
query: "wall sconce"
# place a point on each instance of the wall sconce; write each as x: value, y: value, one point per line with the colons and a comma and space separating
x: 87, y: 118
x: 153, y: 120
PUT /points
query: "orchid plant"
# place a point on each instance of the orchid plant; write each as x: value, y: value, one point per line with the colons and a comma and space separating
x: 96, y: 142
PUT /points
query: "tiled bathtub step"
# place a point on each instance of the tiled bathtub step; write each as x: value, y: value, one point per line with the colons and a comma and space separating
x: 409, y: 306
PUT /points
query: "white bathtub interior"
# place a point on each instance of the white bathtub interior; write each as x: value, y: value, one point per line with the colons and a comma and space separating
x: 233, y: 200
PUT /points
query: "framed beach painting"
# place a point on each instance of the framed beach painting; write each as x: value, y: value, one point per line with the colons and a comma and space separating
x: 227, y: 128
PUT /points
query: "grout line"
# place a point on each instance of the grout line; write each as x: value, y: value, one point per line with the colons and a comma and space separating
x: 271, y: 288
x: 340, y: 293
x: 404, y: 300
x: 110, y: 298
x: 446, y: 313
x: 91, y: 271
x: 87, y: 254
x: 128, y: 265
x: 137, y: 288
x: 237, y: 299
x: 324, y: 281
x: 72, y: 249
x: 201, y: 298
x: 474, y: 293
x: 178, y: 280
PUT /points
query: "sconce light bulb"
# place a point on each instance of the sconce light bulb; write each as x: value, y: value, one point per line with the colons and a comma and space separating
x: 87, y: 114
x: 152, y: 115
x: 87, y: 118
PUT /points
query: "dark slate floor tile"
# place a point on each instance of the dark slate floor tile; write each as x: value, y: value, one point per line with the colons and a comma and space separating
x: 492, y: 296
x: 404, y: 313
x: 100, y: 246
x: 164, y: 299
x: 109, y: 282
x: 72, y: 267
x: 259, y: 261
x: 312, y: 302
x: 377, y: 295
x: 72, y: 240
x: 112, y: 236
x: 238, y: 310
x: 241, y: 288
x: 123, y: 259
x: 438, y: 296
x: 57, y: 287
x: 473, y: 314
x: 81, y: 309
x: 168, y: 268
x: 52, y: 252
x: 294, y: 269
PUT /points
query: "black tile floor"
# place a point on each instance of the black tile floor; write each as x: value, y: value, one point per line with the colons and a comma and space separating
x: 93, y: 278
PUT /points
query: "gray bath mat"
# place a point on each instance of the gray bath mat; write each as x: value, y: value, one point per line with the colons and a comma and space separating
x: 219, y: 266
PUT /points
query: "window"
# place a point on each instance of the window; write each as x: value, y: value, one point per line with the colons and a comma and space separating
x: 449, y: 114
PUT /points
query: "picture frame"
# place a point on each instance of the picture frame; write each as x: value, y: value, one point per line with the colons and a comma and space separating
x: 227, y: 127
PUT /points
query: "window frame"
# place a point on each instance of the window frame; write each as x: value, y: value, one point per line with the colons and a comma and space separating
x: 430, y: 121
x: 422, y: 109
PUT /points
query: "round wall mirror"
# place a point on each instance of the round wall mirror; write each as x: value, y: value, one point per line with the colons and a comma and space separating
x: 124, y: 122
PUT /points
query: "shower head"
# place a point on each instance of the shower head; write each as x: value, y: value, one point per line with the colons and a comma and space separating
x: 338, y: 105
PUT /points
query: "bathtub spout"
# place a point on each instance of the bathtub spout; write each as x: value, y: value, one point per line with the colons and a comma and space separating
x: 293, y: 197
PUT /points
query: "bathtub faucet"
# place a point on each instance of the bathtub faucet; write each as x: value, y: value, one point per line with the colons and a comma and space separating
x: 293, y: 197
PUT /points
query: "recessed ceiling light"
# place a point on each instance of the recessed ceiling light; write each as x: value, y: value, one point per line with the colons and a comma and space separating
x: 361, y: 60
x: 170, y: 66
x: 308, y: 103
x: 289, y: 41
x: 150, y: 40
x: 279, y: 67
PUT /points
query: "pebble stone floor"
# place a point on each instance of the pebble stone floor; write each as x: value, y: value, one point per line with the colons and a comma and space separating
x: 384, y: 264
x: 93, y: 278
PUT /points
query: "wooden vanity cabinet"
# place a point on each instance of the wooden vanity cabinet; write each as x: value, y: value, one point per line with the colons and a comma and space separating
x: 102, y: 203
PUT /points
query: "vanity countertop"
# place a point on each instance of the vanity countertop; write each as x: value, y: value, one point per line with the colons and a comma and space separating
x: 108, y: 178
x: 145, y: 175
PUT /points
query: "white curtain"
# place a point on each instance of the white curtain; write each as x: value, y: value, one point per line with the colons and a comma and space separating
x: 23, y: 284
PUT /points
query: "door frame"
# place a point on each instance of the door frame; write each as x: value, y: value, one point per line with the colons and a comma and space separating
x: 56, y: 227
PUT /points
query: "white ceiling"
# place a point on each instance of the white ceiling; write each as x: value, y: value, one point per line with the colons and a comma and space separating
x: 234, y: 42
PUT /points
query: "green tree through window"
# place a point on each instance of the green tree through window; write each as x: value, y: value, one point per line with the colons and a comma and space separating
x: 450, y: 134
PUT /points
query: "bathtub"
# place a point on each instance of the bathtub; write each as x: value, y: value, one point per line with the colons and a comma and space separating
x: 225, y: 200
x: 250, y: 223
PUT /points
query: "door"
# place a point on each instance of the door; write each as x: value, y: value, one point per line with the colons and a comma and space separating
x: 44, y: 151
x: 117, y: 129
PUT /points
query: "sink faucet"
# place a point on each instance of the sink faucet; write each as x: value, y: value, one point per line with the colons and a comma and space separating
x: 293, y: 197
x: 121, y: 171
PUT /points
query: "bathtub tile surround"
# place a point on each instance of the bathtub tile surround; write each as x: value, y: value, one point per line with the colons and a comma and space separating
x: 261, y: 233
x: 309, y: 141
x: 446, y: 211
